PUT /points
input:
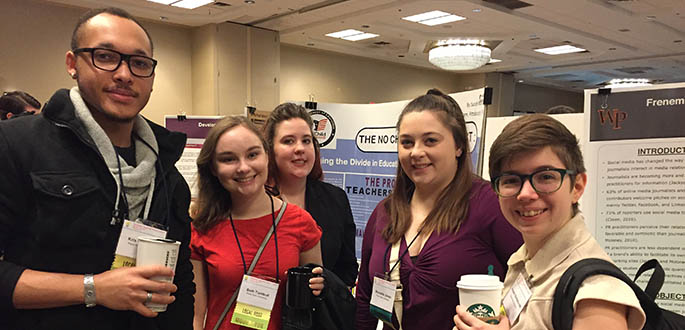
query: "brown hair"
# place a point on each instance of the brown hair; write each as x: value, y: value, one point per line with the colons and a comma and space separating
x: 533, y: 132
x: 214, y: 201
x: 453, y: 202
x: 285, y: 112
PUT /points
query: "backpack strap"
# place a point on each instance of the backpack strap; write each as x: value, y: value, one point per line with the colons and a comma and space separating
x: 656, y: 281
x: 573, y: 277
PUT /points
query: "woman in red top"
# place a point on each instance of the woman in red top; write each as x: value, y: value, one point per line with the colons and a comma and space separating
x: 235, y: 213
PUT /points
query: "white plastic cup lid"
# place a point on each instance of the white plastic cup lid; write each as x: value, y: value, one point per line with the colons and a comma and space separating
x: 480, y: 282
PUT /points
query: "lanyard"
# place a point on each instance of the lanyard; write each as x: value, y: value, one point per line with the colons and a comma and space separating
x: 242, y: 255
x: 118, y: 213
x: 387, y: 274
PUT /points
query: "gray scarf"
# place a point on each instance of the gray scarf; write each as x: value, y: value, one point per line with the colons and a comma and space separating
x: 138, y: 181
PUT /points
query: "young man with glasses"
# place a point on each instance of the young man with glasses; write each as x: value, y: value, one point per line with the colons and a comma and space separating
x: 537, y: 171
x: 72, y: 177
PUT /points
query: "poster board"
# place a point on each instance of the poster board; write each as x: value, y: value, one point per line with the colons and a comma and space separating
x: 635, y: 156
x: 196, y: 128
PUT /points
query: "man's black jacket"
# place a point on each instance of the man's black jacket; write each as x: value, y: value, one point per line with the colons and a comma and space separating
x: 56, y: 203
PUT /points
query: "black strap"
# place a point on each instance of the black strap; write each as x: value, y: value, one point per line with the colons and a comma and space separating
x: 252, y: 265
x: 656, y: 281
x: 573, y: 277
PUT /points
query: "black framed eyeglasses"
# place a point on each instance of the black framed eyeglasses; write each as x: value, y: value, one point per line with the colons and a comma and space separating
x: 110, y: 60
x: 543, y: 181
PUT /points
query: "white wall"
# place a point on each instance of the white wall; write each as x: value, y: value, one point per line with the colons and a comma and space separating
x: 34, y: 38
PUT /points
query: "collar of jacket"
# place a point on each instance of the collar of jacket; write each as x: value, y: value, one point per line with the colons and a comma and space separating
x: 60, y: 110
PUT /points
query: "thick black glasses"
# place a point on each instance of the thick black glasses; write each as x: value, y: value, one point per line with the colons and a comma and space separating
x: 543, y: 181
x: 110, y: 60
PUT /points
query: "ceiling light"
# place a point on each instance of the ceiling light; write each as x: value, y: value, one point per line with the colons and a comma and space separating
x: 627, y: 82
x: 362, y: 36
x: 435, y: 17
x: 164, y: 2
x: 351, y: 35
x: 457, y: 55
x: 558, y: 50
x: 191, y: 4
x: 343, y: 33
x: 494, y: 60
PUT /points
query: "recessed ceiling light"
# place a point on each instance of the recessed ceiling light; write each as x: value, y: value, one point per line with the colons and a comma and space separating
x: 362, y: 36
x: 434, y: 17
x: 191, y: 4
x: 558, y: 50
x: 351, y: 35
x: 164, y: 2
x: 520, y: 80
x: 494, y: 60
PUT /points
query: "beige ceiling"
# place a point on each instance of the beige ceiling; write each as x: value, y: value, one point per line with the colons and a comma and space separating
x: 624, y: 38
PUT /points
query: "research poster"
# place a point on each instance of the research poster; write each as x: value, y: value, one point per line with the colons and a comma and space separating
x: 359, y: 148
x: 196, y: 128
x: 636, y: 153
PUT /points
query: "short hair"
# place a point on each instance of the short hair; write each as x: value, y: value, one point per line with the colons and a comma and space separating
x: 533, y: 132
x: 75, y: 36
x: 560, y: 109
x: 214, y: 201
x: 15, y: 102
x: 452, y: 204
x: 282, y: 113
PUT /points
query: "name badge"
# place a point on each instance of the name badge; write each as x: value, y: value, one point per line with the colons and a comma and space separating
x: 255, y: 301
x: 125, y: 255
x: 516, y: 299
x: 382, y: 299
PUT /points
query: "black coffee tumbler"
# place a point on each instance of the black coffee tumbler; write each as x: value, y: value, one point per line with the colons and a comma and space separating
x: 297, y: 292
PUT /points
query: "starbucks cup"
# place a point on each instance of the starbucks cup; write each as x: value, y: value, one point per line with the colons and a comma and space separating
x: 158, y: 251
x: 481, y: 295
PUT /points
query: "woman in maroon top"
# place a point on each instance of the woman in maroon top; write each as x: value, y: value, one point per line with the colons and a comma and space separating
x: 442, y: 220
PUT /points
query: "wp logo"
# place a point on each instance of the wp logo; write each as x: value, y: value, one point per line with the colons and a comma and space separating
x: 614, y: 117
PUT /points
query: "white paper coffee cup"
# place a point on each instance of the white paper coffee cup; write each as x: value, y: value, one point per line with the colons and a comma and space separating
x: 481, y: 295
x: 158, y: 251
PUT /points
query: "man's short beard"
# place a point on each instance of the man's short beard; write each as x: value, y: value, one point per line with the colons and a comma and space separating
x: 109, y: 116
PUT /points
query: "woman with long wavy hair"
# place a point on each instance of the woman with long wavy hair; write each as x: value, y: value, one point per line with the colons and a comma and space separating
x: 440, y: 221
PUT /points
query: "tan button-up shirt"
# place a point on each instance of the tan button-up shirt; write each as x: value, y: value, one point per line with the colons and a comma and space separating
x: 571, y: 243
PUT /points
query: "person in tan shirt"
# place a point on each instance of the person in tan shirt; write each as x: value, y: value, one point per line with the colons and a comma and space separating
x: 537, y: 171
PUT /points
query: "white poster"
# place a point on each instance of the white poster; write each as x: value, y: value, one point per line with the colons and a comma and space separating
x: 635, y: 154
x: 196, y: 128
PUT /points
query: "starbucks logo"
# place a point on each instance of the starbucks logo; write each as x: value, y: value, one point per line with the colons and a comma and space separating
x: 483, y: 312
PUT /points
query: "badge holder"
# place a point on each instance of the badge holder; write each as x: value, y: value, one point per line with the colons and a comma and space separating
x: 127, y: 246
x: 383, y: 295
x: 256, y: 297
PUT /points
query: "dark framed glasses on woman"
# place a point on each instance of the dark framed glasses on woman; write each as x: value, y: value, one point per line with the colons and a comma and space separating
x: 110, y: 60
x: 543, y: 181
